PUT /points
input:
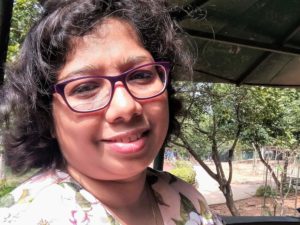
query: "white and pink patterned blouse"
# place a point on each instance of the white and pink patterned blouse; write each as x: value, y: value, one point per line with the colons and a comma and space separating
x: 54, y: 198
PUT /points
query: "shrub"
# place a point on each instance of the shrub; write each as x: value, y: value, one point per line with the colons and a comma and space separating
x: 183, y: 163
x: 265, y: 191
x: 185, y: 171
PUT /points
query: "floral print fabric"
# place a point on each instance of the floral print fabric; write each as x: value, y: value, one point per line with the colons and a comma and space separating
x: 54, y: 198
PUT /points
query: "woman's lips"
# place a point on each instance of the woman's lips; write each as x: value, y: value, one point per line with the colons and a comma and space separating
x: 127, y: 143
x: 127, y: 138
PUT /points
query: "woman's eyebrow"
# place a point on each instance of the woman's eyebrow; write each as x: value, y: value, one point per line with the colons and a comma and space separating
x: 92, y: 69
x: 133, y: 60
x: 85, y: 70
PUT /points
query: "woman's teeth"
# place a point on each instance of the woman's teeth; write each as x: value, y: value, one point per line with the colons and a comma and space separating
x: 128, y: 139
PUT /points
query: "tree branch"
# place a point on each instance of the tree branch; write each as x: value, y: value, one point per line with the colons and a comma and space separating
x: 257, y: 148
x: 201, y: 131
x: 193, y: 153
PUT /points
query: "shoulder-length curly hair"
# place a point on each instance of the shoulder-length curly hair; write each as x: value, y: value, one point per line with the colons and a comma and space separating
x: 27, y: 122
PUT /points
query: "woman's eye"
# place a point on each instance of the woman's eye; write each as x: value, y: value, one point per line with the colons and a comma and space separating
x: 85, y: 89
x: 141, y: 76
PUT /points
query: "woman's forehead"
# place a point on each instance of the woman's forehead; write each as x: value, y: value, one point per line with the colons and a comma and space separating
x: 107, y: 27
x: 114, y: 43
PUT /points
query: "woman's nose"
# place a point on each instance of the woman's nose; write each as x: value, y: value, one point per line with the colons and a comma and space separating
x: 123, y: 107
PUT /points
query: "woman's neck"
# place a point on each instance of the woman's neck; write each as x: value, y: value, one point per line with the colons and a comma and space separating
x: 113, y: 194
x: 131, y: 201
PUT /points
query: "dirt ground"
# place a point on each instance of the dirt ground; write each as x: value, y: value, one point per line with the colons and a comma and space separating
x: 257, y: 206
x: 254, y: 206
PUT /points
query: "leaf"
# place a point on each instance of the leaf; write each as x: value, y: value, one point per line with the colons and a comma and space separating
x: 24, y: 195
x: 82, y: 202
x: 7, y: 201
x: 76, y: 187
x: 186, y: 205
x: 179, y: 222
x: 159, y: 199
x: 112, y: 220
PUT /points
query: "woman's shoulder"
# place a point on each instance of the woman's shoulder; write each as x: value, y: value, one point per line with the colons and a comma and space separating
x: 179, y: 201
x: 170, y: 181
x: 47, y: 196
x: 27, y: 190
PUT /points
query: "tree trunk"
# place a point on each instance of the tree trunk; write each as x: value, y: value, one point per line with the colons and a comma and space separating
x: 2, y: 167
x: 220, y: 177
x: 284, y: 186
x: 284, y: 172
x: 229, y: 201
x: 269, y: 168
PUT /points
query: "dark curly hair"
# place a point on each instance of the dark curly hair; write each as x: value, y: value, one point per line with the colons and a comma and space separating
x: 25, y: 111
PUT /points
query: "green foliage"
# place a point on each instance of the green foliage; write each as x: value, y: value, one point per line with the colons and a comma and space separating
x: 185, y: 171
x: 24, y: 14
x: 222, y: 118
x: 273, y: 118
x: 216, y: 112
x: 265, y: 191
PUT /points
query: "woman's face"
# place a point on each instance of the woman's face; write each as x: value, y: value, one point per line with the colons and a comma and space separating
x: 121, y: 140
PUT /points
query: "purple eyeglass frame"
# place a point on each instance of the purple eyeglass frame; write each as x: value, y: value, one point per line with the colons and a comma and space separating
x: 59, y: 87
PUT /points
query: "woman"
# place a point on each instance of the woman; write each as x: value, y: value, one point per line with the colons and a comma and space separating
x: 89, y: 103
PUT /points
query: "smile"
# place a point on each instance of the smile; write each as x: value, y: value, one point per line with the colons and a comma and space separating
x: 127, y: 136
x: 128, y: 142
x: 128, y: 139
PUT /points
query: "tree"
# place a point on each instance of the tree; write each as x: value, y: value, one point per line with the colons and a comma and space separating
x: 24, y: 14
x: 212, y: 123
x: 219, y: 116
x: 276, y: 118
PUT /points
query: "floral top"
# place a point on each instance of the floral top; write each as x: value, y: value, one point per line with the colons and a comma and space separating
x: 54, y: 198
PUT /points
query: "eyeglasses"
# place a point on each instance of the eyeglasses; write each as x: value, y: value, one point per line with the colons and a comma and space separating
x: 92, y: 93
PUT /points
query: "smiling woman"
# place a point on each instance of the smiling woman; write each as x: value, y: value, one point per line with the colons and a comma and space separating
x: 90, y: 103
